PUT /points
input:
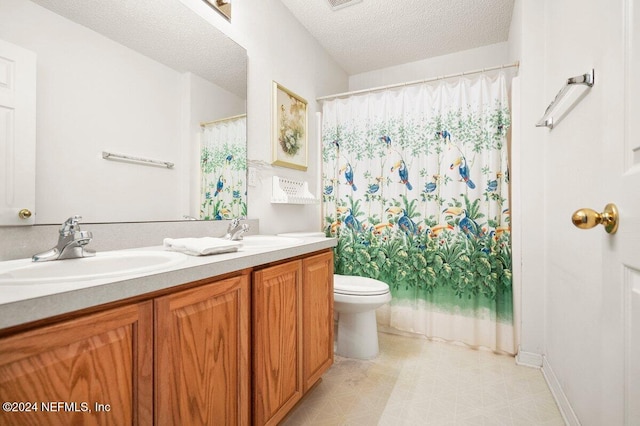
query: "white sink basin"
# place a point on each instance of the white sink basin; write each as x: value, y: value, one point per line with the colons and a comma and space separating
x: 103, y: 265
x: 259, y: 242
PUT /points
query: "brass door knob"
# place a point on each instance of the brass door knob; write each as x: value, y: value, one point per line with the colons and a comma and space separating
x: 588, y: 218
x: 24, y: 214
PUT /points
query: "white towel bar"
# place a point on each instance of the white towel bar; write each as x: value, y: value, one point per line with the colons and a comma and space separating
x: 585, y: 79
x: 108, y: 155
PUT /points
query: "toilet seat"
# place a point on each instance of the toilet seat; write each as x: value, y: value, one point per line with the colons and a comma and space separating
x: 358, y: 286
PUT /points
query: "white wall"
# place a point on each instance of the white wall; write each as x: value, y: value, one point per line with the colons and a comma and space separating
x: 278, y: 49
x: 526, y: 44
x: 466, y: 60
x: 93, y: 95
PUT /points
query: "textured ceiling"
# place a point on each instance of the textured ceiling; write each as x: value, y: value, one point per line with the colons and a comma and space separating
x: 165, y: 30
x: 376, y: 34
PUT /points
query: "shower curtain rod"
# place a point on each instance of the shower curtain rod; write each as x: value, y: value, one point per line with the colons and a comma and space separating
x: 209, y: 123
x: 411, y: 83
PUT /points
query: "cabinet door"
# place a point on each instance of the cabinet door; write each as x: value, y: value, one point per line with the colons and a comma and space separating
x: 202, y: 374
x: 277, y: 341
x: 317, y: 314
x: 96, y: 369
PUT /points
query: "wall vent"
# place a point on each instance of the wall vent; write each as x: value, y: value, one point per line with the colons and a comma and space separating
x: 339, y: 4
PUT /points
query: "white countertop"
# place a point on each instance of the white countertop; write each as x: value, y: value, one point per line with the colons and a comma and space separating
x: 21, y: 304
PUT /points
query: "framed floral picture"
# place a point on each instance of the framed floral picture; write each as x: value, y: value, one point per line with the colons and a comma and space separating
x: 289, y: 127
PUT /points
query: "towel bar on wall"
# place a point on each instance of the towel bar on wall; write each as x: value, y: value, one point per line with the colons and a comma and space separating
x: 585, y: 79
x: 109, y: 155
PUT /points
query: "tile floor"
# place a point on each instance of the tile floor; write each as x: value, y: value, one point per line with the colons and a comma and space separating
x: 420, y: 382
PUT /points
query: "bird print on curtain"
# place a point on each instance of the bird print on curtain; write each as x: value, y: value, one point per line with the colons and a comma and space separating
x: 416, y: 188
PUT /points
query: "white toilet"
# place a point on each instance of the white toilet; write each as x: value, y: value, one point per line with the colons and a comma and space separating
x: 356, y: 300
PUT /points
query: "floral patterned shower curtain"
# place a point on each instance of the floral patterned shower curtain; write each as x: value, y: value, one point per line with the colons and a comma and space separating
x: 223, y: 169
x: 416, y: 188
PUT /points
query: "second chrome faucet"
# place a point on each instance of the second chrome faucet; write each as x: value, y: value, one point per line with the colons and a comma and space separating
x: 235, y: 230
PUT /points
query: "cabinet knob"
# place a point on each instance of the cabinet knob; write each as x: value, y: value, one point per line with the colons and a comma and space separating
x: 24, y: 214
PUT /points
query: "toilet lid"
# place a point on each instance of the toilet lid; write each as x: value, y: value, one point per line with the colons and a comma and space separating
x: 345, y: 284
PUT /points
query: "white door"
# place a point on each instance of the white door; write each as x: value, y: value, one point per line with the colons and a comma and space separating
x: 619, y: 347
x: 591, y: 158
x: 625, y: 248
x: 17, y: 135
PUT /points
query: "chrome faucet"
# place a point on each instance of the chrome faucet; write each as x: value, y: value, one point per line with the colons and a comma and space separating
x: 71, y: 243
x: 235, y: 230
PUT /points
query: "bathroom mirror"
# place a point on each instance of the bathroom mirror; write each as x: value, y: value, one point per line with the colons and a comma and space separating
x: 143, y: 79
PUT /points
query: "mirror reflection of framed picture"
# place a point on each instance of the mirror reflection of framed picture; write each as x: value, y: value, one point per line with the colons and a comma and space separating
x: 289, y: 129
x: 222, y: 6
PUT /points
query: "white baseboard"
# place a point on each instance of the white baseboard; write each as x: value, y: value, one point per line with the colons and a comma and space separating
x: 528, y: 359
x: 566, y: 410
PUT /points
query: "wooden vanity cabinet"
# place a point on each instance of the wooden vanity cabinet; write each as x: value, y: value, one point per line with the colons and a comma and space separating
x: 94, y: 369
x: 292, y: 333
x: 200, y: 340
x: 202, y: 372
x: 317, y: 317
x: 277, y: 341
x: 183, y: 357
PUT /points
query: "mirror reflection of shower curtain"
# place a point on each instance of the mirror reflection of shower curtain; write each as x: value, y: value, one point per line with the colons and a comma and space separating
x: 223, y: 169
x: 416, y: 188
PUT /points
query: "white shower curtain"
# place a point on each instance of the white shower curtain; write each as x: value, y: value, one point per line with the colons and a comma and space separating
x: 416, y: 188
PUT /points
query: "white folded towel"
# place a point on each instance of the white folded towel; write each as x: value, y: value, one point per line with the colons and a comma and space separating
x: 201, y: 246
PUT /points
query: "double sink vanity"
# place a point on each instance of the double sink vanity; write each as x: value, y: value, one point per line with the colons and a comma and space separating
x: 149, y: 336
